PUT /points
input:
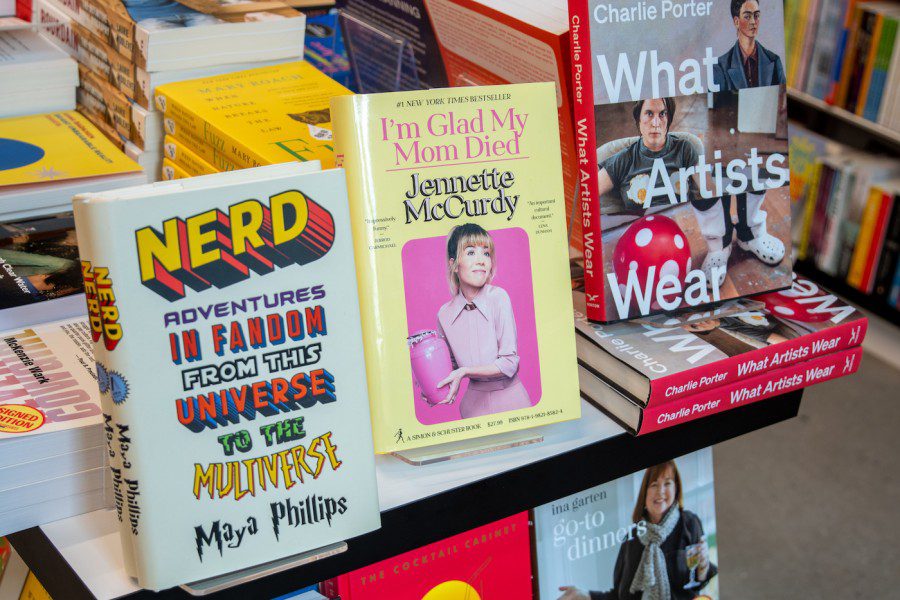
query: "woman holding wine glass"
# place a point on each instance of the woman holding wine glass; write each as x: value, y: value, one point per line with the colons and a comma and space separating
x: 668, y: 557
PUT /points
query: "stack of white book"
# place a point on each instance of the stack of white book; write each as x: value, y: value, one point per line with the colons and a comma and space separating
x: 35, y: 75
x: 53, y: 447
x: 125, y: 50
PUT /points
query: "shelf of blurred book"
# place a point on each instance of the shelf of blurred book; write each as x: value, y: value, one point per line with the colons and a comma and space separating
x: 841, y: 124
x: 80, y: 557
x: 874, y: 304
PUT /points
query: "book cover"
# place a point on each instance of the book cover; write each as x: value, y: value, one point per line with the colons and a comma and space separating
x: 225, y: 321
x: 593, y: 541
x: 325, y: 48
x: 56, y: 147
x: 457, y: 210
x: 683, y: 153
x: 38, y: 260
x: 681, y: 355
x: 47, y: 379
x: 488, y: 43
x: 492, y: 562
x: 258, y: 116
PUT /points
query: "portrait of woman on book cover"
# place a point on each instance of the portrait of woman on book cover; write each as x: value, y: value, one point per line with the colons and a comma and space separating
x: 669, y: 557
x: 478, y: 356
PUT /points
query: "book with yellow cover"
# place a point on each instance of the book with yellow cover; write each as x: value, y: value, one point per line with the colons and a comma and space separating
x: 45, y: 159
x: 256, y: 117
x: 458, y: 215
x: 186, y: 158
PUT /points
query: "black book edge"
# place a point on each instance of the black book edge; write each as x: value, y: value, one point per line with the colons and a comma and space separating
x: 597, y: 404
x: 631, y: 397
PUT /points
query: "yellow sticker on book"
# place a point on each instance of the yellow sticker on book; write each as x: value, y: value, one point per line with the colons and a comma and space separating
x: 19, y: 418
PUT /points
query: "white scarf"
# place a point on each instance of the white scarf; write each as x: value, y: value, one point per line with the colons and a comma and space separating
x: 651, y: 576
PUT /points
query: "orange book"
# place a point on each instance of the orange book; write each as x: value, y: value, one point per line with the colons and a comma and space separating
x: 490, y: 43
x: 858, y: 263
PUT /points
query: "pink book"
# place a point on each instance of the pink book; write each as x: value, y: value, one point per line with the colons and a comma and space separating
x: 667, y: 358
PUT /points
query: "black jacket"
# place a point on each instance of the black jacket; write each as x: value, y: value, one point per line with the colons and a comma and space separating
x: 728, y: 72
x: 687, y: 531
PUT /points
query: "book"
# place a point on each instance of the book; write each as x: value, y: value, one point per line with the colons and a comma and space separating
x: 461, y: 189
x: 659, y: 234
x: 866, y: 239
x: 270, y: 115
x: 261, y: 374
x: 43, y: 158
x: 888, y: 260
x: 640, y: 421
x: 38, y: 260
x: 491, y: 561
x: 662, y: 359
x: 167, y: 35
x: 482, y: 42
x: 590, y: 540
x: 325, y: 48
x: 888, y: 193
x: 35, y: 75
x: 186, y: 158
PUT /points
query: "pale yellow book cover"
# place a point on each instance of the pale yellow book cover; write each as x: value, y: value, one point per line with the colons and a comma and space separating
x: 56, y: 147
x: 255, y: 117
x: 457, y: 208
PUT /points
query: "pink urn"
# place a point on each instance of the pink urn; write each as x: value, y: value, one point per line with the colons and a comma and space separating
x: 430, y: 359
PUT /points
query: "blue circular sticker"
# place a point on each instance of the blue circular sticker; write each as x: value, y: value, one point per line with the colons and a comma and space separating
x: 118, y: 387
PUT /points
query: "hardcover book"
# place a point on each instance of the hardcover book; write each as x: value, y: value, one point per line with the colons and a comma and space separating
x: 225, y: 321
x: 682, y: 146
x: 38, y: 260
x: 592, y: 542
x: 269, y: 115
x: 458, y: 216
x: 491, y: 562
x: 664, y: 358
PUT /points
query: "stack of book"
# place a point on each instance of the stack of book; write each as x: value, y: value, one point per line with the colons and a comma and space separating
x: 126, y: 49
x: 47, y: 158
x: 846, y: 53
x: 270, y: 115
x: 52, y: 439
x: 35, y: 75
x: 848, y: 223
x: 655, y: 372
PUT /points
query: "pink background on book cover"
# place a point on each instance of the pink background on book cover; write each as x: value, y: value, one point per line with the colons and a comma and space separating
x: 426, y: 289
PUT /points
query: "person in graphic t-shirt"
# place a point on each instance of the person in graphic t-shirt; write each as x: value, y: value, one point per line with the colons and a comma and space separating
x: 480, y: 328
x: 628, y: 171
x: 746, y: 65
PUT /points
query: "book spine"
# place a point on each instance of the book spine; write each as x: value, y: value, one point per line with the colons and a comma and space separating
x: 185, y: 119
x: 188, y: 160
x: 887, y: 263
x: 754, y: 389
x: 886, y: 106
x: 809, y: 209
x: 336, y: 588
x: 868, y: 61
x: 876, y: 87
x: 199, y: 146
x: 116, y: 427
x: 864, y: 239
x: 172, y: 171
x: 762, y: 360
x: 586, y: 144
x: 878, y: 238
x: 840, y: 60
x: 851, y: 85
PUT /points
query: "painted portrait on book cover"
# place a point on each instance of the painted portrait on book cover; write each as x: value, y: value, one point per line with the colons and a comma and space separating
x: 471, y: 323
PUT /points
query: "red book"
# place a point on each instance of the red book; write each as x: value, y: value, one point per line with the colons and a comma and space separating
x: 875, y: 249
x: 746, y: 391
x: 492, y: 562
x: 670, y: 358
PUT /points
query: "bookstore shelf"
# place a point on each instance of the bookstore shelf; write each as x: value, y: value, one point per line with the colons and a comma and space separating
x: 837, y: 285
x: 75, y: 558
x: 841, y: 124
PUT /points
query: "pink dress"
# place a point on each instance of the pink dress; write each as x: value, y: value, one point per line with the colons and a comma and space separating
x: 483, y: 332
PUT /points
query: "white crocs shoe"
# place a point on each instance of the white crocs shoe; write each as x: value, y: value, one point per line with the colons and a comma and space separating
x: 716, y: 260
x: 765, y: 247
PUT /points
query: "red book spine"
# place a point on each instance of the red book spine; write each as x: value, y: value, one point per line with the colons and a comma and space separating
x: 336, y: 588
x: 754, y: 389
x: 586, y: 149
x: 688, y: 383
x: 868, y: 282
